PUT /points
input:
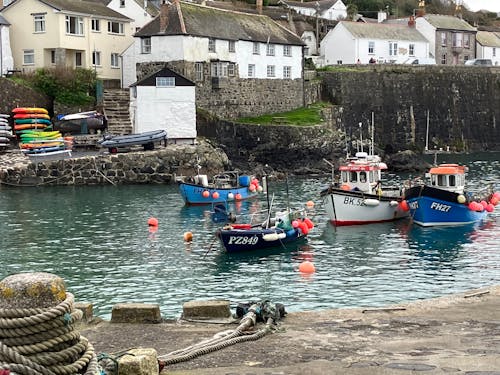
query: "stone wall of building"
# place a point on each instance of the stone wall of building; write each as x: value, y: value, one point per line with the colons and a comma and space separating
x: 15, y: 95
x: 160, y: 166
x: 232, y: 97
x: 463, y: 104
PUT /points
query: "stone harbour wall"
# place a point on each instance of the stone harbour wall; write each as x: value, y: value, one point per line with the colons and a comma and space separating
x: 159, y: 166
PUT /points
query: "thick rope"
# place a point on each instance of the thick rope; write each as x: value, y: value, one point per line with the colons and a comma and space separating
x: 43, y: 341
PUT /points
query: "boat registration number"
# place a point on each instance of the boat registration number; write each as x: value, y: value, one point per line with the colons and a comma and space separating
x: 440, y: 207
x: 354, y: 201
x: 238, y: 240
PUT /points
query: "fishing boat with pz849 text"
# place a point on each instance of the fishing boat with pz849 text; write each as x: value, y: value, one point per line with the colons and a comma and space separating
x: 442, y: 200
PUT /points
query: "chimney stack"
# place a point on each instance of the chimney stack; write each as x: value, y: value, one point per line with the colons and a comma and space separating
x: 411, y: 21
x: 258, y: 4
x: 163, y: 15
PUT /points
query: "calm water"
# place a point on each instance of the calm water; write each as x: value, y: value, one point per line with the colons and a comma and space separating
x: 97, y: 239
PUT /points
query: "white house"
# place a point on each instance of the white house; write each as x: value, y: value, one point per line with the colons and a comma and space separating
x: 219, y: 42
x: 6, y: 60
x: 164, y: 100
x: 349, y: 42
x: 488, y: 46
x: 328, y: 9
x: 139, y: 11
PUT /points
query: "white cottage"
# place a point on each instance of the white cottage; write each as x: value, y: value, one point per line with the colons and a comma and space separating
x: 221, y: 42
x: 164, y: 100
x: 488, y: 46
x: 328, y: 9
x: 139, y: 11
x: 357, y: 42
x: 6, y: 60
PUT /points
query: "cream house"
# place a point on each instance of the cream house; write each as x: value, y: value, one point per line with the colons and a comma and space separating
x: 76, y: 34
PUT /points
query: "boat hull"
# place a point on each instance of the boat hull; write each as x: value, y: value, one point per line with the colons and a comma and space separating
x: 134, y: 139
x: 356, y: 208
x: 240, y: 240
x: 193, y: 194
x: 434, y: 207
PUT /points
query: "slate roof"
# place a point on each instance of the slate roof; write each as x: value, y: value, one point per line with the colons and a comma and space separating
x: 440, y: 21
x: 87, y: 8
x: 383, y: 31
x: 203, y: 21
x: 165, y: 72
x: 323, y: 4
x: 488, y: 39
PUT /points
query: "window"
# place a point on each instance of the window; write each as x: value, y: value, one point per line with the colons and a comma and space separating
x: 211, y: 45
x: 95, y: 25
x: 115, y: 27
x: 231, y: 69
x: 466, y: 58
x: 271, y: 71
x: 39, y: 23
x: 466, y: 40
x: 457, y: 39
x: 232, y: 46
x: 29, y: 57
x: 393, y: 48
x: 96, y: 58
x: 494, y: 52
x: 251, y: 70
x: 411, y: 48
x: 287, y: 50
x: 74, y: 25
x: 219, y: 69
x: 122, y: 3
x: 443, y: 59
x: 114, y: 60
x: 146, y: 45
x: 78, y: 59
x: 287, y: 72
x: 443, y: 38
x: 165, y: 81
x: 270, y: 49
x: 198, y: 68
x: 52, y: 56
x: 371, y: 48
x: 452, y: 180
x: 256, y: 48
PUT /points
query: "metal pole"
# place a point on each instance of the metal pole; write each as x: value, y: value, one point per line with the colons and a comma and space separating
x: 361, y: 135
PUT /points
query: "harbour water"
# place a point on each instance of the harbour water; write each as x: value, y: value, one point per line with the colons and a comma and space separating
x: 97, y: 239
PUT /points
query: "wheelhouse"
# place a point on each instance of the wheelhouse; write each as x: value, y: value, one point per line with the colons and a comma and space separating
x: 450, y: 177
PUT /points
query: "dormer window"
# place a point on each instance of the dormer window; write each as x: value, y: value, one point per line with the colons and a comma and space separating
x: 165, y: 81
x: 122, y: 3
x: 211, y: 45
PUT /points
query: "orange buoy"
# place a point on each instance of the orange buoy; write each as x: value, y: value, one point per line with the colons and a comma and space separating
x: 153, y: 222
x: 489, y: 207
x: 237, y: 196
x: 295, y: 224
x: 205, y: 194
x: 309, y: 223
x: 188, y: 236
x: 252, y: 188
x: 307, y: 267
x: 404, y: 205
x: 215, y: 195
x: 494, y: 201
x: 345, y: 187
x: 310, y: 204
x: 303, y: 228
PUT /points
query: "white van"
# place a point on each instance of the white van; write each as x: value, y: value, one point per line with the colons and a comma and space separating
x: 479, y: 62
x: 421, y: 61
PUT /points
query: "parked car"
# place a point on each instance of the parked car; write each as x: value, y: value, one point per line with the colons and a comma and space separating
x: 421, y: 61
x: 479, y: 62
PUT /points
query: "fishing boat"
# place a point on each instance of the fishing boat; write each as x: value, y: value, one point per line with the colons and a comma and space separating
x: 442, y: 199
x: 285, y: 227
x: 225, y: 187
x: 146, y: 139
x: 360, y: 196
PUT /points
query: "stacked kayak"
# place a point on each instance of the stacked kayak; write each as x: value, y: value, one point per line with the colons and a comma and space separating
x: 5, y: 131
x: 31, y: 118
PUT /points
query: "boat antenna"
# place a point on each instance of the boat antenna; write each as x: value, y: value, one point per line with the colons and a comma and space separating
x: 373, y: 134
x: 361, y: 135
x: 267, y: 197
x: 287, y: 197
x: 427, y: 133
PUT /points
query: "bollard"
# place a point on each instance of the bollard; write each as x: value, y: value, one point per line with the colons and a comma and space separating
x: 37, y: 335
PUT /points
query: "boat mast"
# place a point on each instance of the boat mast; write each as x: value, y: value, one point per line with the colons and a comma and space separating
x: 427, y: 133
x: 361, y: 135
x: 373, y: 134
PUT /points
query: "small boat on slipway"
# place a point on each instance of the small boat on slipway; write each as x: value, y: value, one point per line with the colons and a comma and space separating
x: 225, y: 187
x: 443, y: 200
x: 360, y: 197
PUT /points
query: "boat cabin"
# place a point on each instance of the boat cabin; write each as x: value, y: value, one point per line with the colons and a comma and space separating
x: 362, y: 172
x: 450, y: 177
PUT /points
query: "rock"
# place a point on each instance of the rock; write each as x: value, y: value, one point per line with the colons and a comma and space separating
x: 32, y: 290
x: 406, y: 161
x: 141, y: 361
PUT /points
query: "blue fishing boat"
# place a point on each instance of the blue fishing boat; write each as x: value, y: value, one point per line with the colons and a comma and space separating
x: 225, y: 187
x: 443, y: 200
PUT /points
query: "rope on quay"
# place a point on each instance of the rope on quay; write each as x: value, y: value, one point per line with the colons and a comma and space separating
x: 40, y: 341
x: 264, y: 311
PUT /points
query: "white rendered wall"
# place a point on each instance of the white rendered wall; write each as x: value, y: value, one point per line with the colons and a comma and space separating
x: 169, y: 108
x: 7, y: 62
x: 484, y: 52
x: 429, y: 33
x: 338, y: 44
x: 132, y: 10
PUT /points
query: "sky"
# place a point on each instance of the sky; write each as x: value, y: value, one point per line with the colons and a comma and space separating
x: 475, y: 5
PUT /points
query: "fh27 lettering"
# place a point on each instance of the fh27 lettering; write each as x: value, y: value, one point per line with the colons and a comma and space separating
x: 252, y: 240
x: 440, y: 207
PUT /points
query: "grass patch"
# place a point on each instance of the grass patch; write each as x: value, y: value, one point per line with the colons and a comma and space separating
x: 305, y: 116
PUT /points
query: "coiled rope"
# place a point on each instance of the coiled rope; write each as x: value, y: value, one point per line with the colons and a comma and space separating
x: 44, y: 342
x: 224, y: 339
